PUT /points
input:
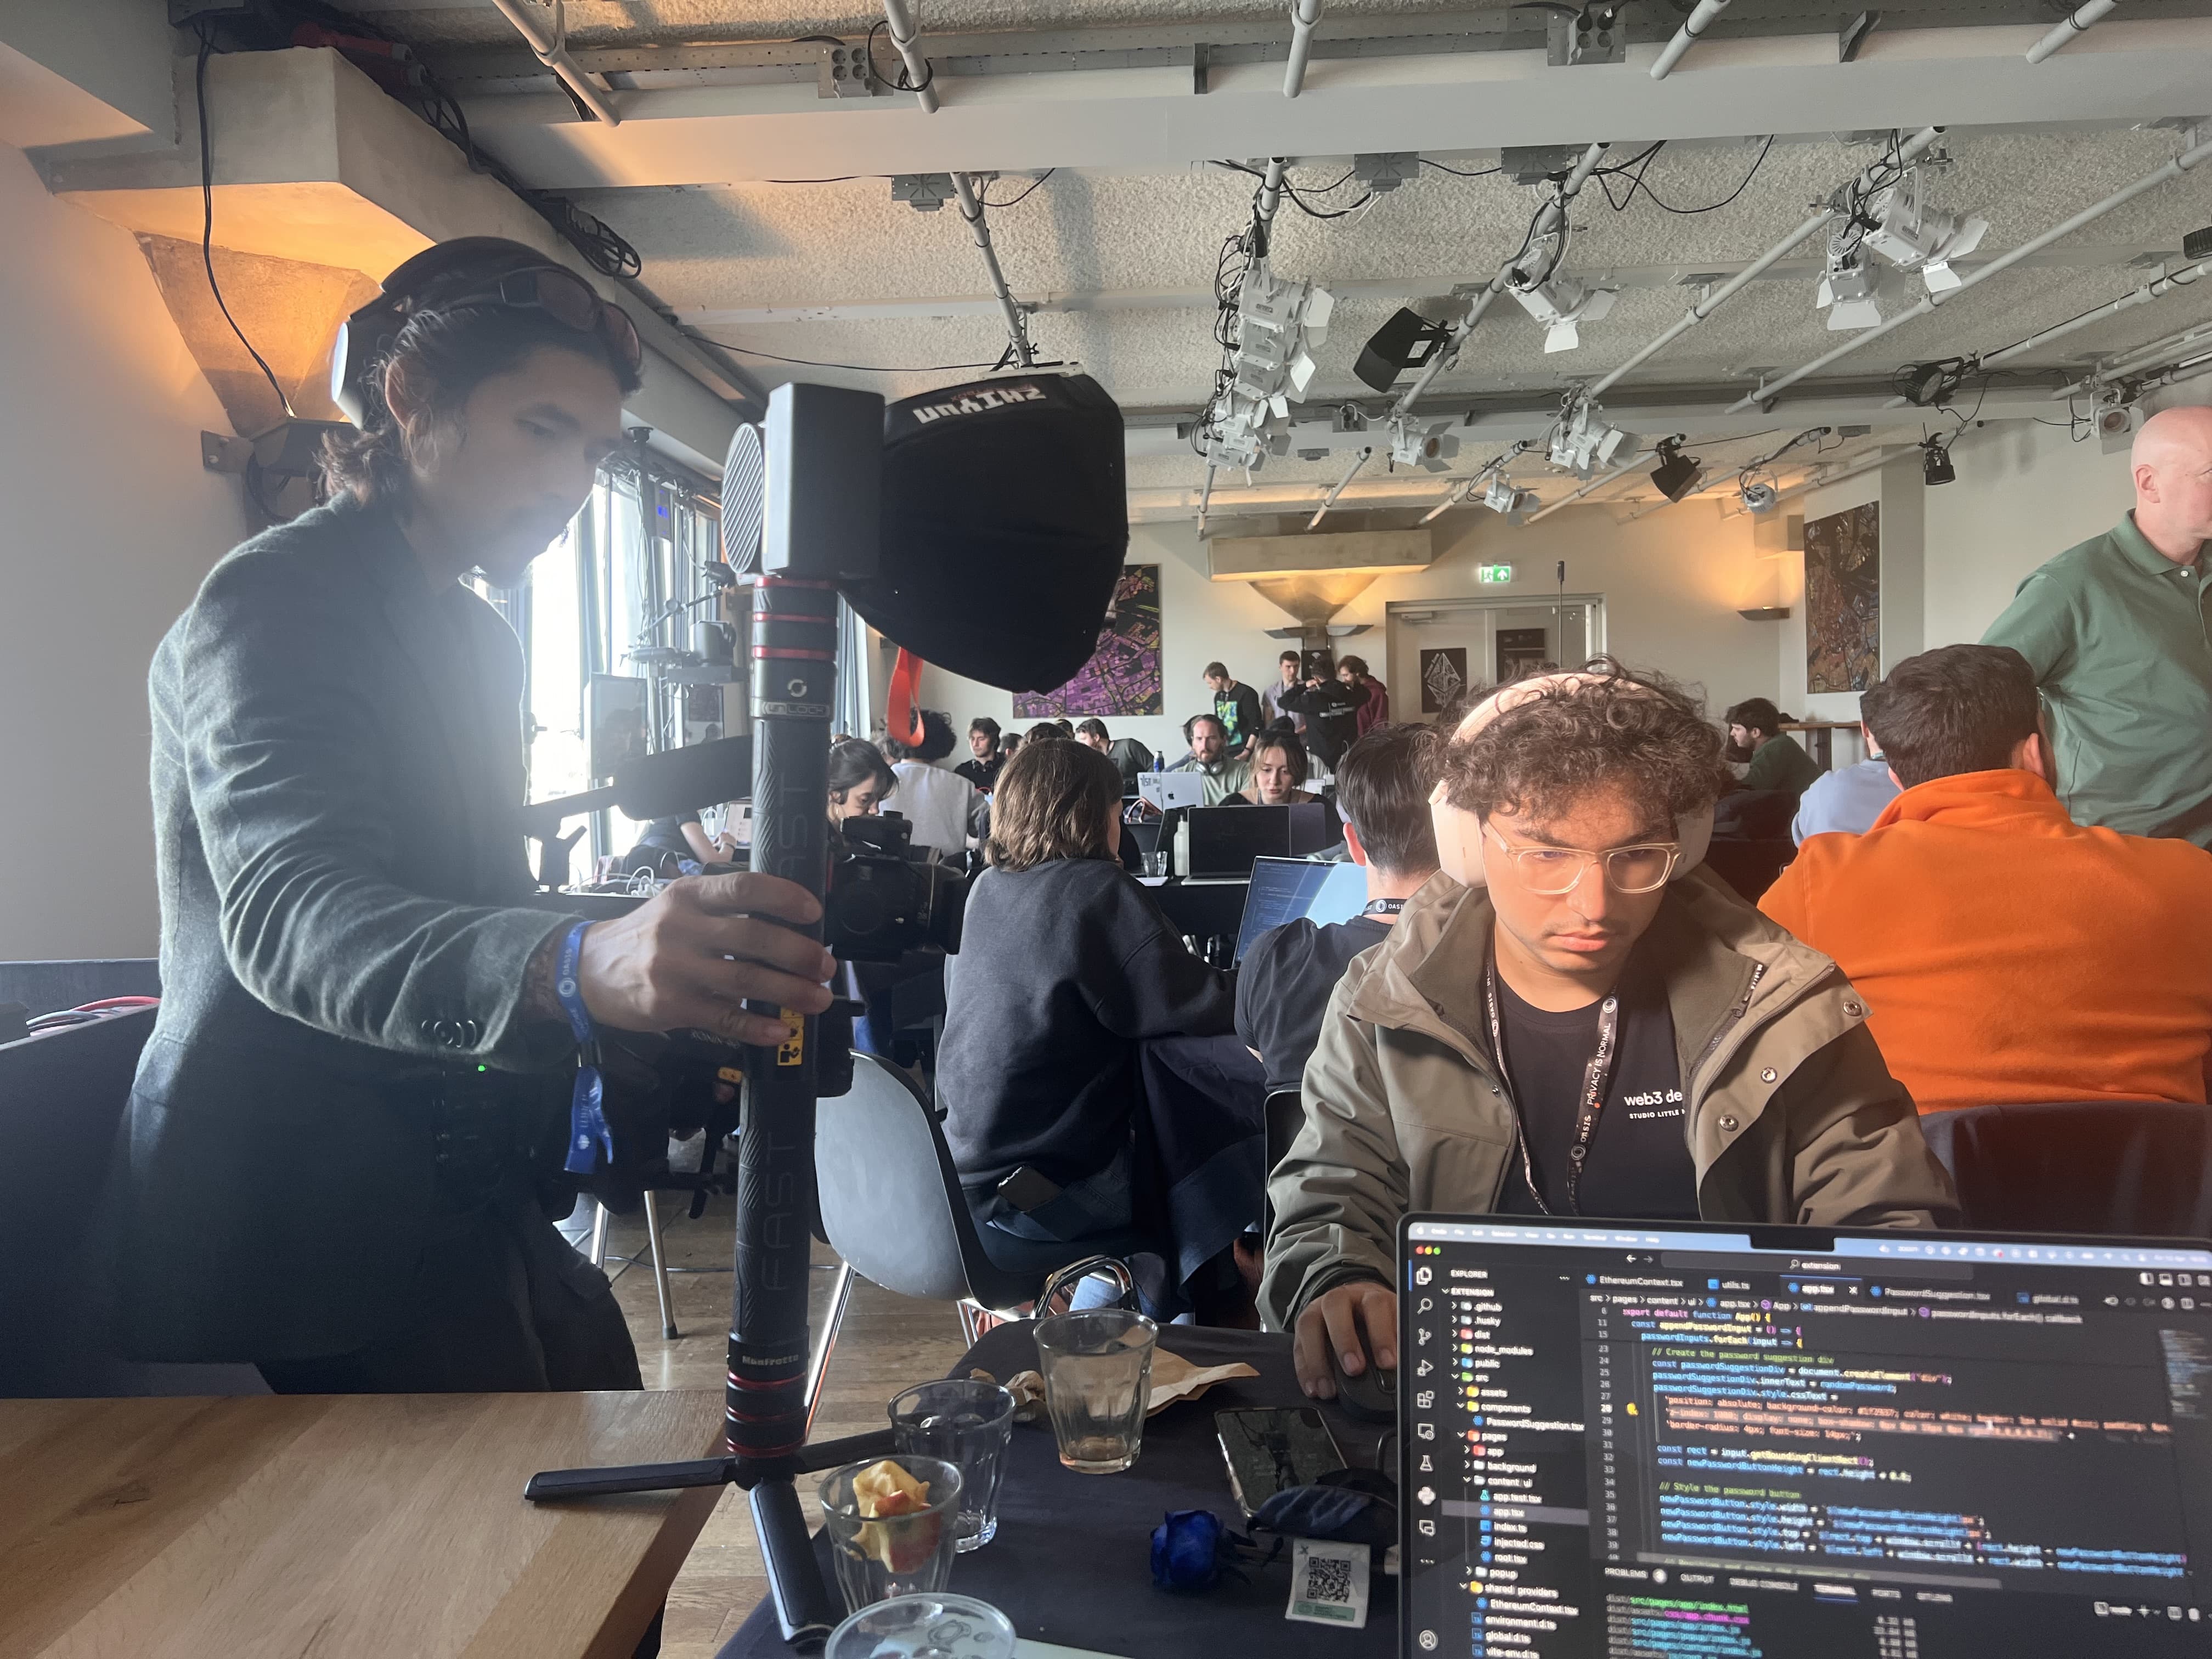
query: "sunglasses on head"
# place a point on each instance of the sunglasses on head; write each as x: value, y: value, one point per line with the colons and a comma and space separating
x: 565, y: 297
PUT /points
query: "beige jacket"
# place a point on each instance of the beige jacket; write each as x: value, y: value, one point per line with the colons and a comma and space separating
x: 1793, y: 1117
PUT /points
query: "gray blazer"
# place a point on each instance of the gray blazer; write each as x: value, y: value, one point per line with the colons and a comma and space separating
x: 337, y: 767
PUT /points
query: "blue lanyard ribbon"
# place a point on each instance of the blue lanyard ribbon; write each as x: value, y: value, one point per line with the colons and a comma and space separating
x: 588, y: 1135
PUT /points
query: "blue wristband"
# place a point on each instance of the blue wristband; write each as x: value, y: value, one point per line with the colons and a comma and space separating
x: 588, y: 1135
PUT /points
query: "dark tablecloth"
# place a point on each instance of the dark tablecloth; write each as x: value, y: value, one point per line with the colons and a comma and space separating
x: 1072, y: 1561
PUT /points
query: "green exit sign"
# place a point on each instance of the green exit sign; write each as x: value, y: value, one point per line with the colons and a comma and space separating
x: 1493, y: 574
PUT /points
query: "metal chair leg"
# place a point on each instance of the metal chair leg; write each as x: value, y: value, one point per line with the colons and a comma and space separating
x: 818, y: 1364
x: 659, y: 1263
x: 599, y: 1236
x: 1068, y: 1278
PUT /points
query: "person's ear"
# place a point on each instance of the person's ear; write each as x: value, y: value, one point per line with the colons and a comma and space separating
x: 2033, y: 754
x: 407, y: 409
x: 1351, y: 844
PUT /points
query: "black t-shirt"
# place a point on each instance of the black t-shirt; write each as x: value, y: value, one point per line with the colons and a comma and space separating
x: 1639, y: 1163
x: 666, y: 835
x: 984, y: 775
x: 1283, y: 987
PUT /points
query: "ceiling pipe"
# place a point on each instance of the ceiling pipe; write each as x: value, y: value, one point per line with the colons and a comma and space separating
x: 2162, y: 286
x: 2173, y: 170
x: 1695, y: 24
x: 2076, y: 23
x: 921, y: 78
x: 1553, y: 214
x: 1304, y: 16
x: 1750, y: 273
x: 1629, y: 465
x: 1329, y: 499
x: 2185, y: 341
x: 553, y: 52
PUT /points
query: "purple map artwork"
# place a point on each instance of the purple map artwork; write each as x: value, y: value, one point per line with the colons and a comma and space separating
x: 1123, y: 674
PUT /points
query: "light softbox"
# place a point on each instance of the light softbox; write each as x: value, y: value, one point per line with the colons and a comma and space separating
x: 1005, y: 517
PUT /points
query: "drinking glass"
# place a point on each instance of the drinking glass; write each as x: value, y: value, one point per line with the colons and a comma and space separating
x: 963, y: 1422
x: 897, y: 1554
x: 1097, y: 1367
x: 924, y: 1627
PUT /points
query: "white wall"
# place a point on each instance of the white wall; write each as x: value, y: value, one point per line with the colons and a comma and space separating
x: 1673, y: 582
x: 110, y: 525
x: 2023, y: 493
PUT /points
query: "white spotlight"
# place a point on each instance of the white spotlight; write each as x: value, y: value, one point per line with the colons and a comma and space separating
x: 1581, y: 442
x: 1913, y: 236
x: 1851, y: 290
x: 1760, y: 498
x: 1503, y: 497
x: 1560, y: 305
x: 1280, y: 324
x: 1430, y: 448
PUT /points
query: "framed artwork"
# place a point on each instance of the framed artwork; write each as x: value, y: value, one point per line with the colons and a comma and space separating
x: 1843, y: 599
x: 1123, y: 674
x: 1443, y: 677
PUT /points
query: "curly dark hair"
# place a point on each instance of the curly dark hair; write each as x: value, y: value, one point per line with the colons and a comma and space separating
x: 1540, y: 757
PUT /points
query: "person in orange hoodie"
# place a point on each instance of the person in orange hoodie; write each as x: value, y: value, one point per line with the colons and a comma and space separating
x: 2007, y: 954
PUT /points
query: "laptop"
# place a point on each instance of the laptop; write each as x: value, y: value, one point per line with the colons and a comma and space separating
x: 1676, y: 1439
x: 1283, y: 889
x: 1166, y: 789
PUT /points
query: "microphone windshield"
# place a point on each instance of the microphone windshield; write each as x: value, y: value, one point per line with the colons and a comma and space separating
x: 679, y: 780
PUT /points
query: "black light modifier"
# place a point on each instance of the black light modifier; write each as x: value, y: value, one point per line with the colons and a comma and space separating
x: 1935, y: 466
x: 1677, y: 474
x: 1408, y: 341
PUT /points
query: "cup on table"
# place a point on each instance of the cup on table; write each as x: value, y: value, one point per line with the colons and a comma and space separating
x: 895, y: 1554
x: 965, y: 1422
x: 1097, y: 1367
x: 924, y: 1627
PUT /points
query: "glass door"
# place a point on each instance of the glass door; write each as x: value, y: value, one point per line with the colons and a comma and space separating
x: 1445, y: 653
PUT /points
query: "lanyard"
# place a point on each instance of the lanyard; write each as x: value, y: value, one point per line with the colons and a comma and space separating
x: 1382, y: 907
x: 1595, y: 1077
x: 588, y: 1135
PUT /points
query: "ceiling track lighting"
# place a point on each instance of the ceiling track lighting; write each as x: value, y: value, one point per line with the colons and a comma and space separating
x: 1896, y: 226
x: 1429, y: 447
x: 1280, y: 324
x: 1560, y: 303
x: 1581, y: 440
x: 1935, y: 466
x: 1408, y: 341
x: 1759, y: 497
x: 1677, y: 474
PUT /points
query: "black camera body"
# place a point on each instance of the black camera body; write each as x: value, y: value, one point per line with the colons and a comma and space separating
x: 884, y: 899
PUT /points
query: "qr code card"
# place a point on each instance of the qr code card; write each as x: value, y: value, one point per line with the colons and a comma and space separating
x: 1328, y: 1583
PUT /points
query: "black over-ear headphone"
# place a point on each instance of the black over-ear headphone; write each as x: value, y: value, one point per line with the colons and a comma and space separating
x: 364, y: 338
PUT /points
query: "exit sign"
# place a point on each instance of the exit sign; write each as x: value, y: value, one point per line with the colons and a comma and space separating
x: 1491, y: 575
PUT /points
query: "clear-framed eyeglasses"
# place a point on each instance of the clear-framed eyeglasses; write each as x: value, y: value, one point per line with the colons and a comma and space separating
x: 1551, y: 871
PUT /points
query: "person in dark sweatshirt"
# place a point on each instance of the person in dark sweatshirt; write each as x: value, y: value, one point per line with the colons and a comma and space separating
x: 1065, y: 965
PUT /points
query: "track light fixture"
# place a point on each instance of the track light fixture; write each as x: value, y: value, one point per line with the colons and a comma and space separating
x: 1896, y: 225
x: 1503, y: 497
x: 1279, y: 325
x: 1677, y: 474
x: 1430, y: 448
x: 1850, y: 286
x: 1935, y: 466
x: 1581, y: 442
x: 1561, y: 304
x: 1408, y: 341
x: 1759, y: 498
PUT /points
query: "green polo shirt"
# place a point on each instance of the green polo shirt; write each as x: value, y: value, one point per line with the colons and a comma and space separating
x: 2117, y: 635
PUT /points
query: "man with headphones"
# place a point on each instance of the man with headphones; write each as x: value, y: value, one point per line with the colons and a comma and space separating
x: 364, y: 1078
x: 1576, y: 1019
x: 1221, y: 774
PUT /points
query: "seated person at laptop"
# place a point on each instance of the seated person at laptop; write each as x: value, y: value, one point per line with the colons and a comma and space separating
x: 860, y: 780
x: 2008, y: 954
x: 1210, y: 758
x: 664, y: 841
x: 1126, y: 753
x: 1732, y: 1078
x: 1283, y: 985
x: 1065, y: 965
x: 1773, y: 758
x: 1279, y: 773
x: 1847, y: 801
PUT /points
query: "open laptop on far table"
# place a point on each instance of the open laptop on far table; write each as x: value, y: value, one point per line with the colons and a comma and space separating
x: 1669, y: 1439
x: 1166, y: 789
x: 1283, y: 889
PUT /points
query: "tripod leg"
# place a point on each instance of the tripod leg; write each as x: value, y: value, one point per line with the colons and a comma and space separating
x: 659, y: 1263
x: 806, y: 1609
x: 599, y: 1234
x: 826, y: 1344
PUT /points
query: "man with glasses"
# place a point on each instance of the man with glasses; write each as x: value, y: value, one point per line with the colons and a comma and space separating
x: 1578, y: 1021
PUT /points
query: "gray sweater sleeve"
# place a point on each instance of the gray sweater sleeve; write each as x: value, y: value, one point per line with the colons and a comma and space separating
x: 264, y: 692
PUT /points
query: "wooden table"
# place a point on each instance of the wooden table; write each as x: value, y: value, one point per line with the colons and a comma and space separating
x: 335, y: 1526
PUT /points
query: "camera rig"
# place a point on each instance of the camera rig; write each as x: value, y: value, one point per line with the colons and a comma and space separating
x: 981, y: 527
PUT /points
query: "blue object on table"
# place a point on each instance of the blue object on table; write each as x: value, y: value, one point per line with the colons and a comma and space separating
x: 1187, y: 1550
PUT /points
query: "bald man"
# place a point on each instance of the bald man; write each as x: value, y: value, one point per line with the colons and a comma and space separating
x: 2116, y: 630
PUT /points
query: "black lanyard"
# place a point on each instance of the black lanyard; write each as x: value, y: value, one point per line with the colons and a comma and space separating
x: 1382, y: 907
x: 1596, y: 1076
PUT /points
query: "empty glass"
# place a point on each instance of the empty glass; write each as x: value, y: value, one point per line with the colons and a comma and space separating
x: 1097, y: 1367
x: 967, y: 1423
x: 893, y: 1555
x: 924, y: 1627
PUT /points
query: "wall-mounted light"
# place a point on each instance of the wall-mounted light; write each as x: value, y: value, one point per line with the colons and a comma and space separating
x: 1764, y: 613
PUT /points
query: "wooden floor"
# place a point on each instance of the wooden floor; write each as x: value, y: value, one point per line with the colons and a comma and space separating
x: 889, y: 1343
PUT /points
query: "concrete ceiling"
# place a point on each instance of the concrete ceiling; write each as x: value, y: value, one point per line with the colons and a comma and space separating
x: 1120, y: 257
